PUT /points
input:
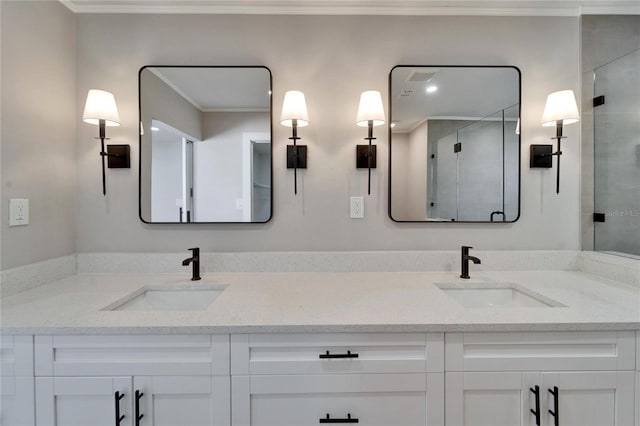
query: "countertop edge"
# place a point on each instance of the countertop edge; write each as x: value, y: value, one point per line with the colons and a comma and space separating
x: 347, y: 328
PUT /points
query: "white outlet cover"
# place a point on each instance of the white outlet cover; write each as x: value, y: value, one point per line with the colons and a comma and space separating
x: 356, y: 210
x: 18, y: 212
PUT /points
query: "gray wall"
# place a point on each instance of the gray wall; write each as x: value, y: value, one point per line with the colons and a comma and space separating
x: 38, y: 130
x: 400, y: 181
x: 163, y: 103
x: 410, y: 164
x: 332, y: 63
x: 332, y: 59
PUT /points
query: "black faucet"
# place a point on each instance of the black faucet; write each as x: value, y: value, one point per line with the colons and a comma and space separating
x: 195, y: 263
x: 465, y: 258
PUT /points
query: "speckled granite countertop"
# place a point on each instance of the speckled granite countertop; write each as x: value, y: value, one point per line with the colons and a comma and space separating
x: 323, y: 302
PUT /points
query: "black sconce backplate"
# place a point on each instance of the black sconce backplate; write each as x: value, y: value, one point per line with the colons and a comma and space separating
x: 302, y: 156
x: 118, y: 156
x: 362, y: 152
x: 540, y: 156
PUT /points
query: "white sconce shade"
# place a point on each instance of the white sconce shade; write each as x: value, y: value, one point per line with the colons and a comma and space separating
x: 101, y: 105
x: 294, y: 107
x: 518, y: 127
x: 370, y: 109
x: 561, y: 106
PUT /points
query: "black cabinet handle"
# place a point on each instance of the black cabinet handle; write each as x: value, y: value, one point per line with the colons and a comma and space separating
x: 536, y: 412
x: 138, y: 415
x: 328, y: 419
x: 118, y: 396
x: 329, y: 355
x: 556, y: 412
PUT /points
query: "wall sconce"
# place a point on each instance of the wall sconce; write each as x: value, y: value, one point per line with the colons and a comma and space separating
x: 370, y: 114
x: 100, y: 109
x: 294, y: 115
x: 561, y: 108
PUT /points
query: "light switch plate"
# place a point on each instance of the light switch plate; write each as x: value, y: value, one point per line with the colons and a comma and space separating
x: 357, y: 208
x: 18, y: 211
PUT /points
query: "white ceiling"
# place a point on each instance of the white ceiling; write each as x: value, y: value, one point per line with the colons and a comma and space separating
x: 220, y: 89
x: 462, y: 93
x: 362, y: 7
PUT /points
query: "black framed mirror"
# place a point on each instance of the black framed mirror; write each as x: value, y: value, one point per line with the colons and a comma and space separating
x: 454, y: 143
x: 205, y: 144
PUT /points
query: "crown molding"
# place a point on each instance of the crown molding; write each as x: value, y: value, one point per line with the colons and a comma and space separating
x: 361, y: 7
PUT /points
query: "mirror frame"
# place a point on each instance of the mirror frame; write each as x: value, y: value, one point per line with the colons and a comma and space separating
x: 390, y: 109
x: 140, y: 143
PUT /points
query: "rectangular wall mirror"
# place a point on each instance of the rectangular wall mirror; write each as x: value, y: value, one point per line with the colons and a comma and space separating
x: 205, y: 144
x: 454, y: 143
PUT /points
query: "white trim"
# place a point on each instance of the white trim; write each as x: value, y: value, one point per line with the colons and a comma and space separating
x: 236, y: 110
x: 247, y: 167
x: 357, y: 7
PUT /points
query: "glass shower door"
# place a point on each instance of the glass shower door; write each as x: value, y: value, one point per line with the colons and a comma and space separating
x: 617, y: 156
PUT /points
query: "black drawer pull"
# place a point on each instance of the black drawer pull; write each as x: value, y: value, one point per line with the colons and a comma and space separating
x: 347, y: 355
x: 555, y: 413
x: 536, y: 412
x: 138, y: 415
x: 328, y: 419
x: 118, y: 396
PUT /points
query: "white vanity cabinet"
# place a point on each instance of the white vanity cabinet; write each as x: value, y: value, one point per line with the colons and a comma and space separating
x: 377, y: 379
x: 507, y: 379
x: 16, y: 381
x: 132, y: 380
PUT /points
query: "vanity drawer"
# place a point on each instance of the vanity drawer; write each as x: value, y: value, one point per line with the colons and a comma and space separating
x: 111, y: 355
x: 536, y: 351
x: 335, y: 353
x: 299, y: 400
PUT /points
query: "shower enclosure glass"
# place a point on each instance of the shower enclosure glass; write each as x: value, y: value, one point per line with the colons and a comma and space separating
x: 474, y: 170
x: 617, y: 156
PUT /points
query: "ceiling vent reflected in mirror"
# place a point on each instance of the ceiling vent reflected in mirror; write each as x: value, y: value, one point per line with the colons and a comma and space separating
x: 421, y: 75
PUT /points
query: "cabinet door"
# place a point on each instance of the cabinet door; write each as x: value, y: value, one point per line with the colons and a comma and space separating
x: 184, y: 400
x: 589, y: 398
x: 16, y: 401
x: 490, y: 399
x: 82, y: 401
x: 638, y: 393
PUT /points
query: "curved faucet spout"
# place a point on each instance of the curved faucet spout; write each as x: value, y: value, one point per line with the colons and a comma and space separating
x: 474, y: 259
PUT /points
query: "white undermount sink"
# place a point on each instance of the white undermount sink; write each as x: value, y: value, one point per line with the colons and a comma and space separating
x: 496, y: 295
x: 168, y: 298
